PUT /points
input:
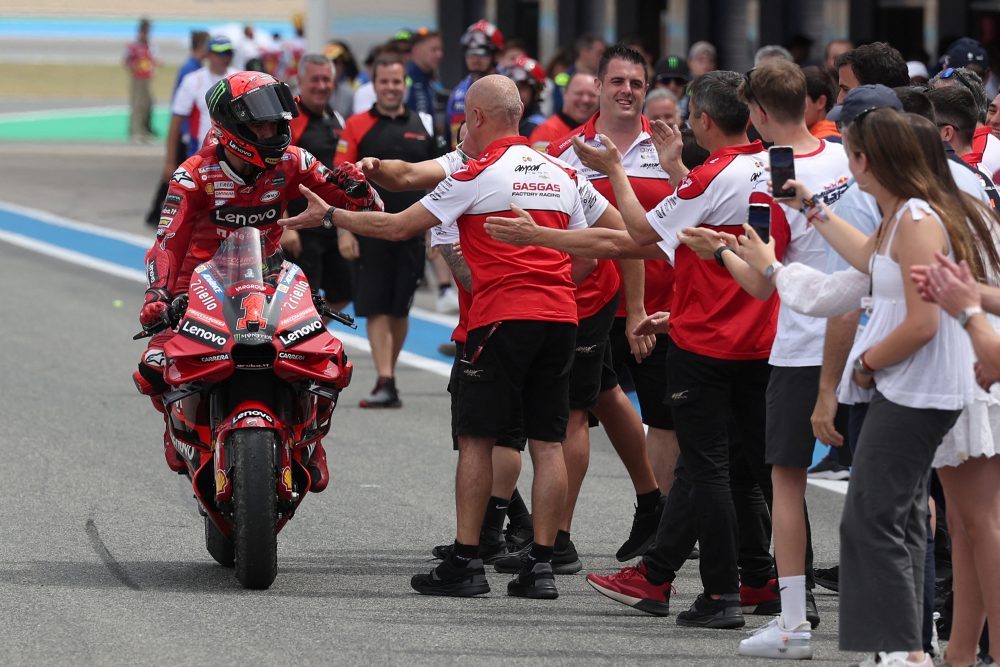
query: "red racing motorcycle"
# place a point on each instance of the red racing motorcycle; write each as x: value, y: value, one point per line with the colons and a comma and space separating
x: 255, y: 376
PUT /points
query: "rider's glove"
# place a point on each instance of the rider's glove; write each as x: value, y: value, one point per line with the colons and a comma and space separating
x: 361, y: 196
x: 154, y: 308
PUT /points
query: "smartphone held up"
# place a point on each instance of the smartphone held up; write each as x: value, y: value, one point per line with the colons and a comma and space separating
x: 782, y: 161
x: 759, y: 218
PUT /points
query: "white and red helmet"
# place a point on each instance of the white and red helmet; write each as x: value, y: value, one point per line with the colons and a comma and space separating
x: 483, y: 36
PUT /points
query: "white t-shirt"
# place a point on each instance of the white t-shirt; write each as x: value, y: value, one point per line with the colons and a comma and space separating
x: 189, y: 99
x: 991, y: 155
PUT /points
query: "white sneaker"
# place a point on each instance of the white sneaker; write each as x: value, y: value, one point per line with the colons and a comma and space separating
x: 448, y: 301
x: 883, y: 659
x: 774, y: 641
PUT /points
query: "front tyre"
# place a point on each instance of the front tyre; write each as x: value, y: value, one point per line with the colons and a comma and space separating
x: 255, y: 507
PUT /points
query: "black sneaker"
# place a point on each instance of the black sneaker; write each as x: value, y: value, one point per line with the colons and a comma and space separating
x: 644, y: 526
x: 695, y: 553
x: 828, y: 577
x: 460, y: 582
x: 517, y: 537
x: 489, y: 550
x: 563, y: 562
x: 538, y: 584
x: 709, y: 613
x: 384, y: 395
x: 829, y: 469
x: 812, y: 613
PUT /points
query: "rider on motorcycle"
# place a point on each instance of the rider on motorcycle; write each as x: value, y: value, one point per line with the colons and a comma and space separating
x: 243, y: 178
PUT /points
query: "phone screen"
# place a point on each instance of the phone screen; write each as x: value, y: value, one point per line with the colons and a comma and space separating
x: 759, y: 218
x: 782, y: 169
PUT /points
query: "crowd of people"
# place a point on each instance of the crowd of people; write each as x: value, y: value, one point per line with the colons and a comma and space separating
x: 591, y: 216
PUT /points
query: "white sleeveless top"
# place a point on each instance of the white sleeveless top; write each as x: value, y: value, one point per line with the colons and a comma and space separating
x: 938, y: 375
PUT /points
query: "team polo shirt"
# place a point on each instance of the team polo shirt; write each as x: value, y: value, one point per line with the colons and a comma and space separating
x: 799, y: 338
x: 555, y: 127
x: 404, y: 137
x: 189, y: 101
x: 710, y: 313
x: 651, y: 185
x: 510, y: 282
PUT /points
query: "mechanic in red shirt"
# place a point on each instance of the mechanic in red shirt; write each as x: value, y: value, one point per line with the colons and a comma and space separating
x: 243, y: 179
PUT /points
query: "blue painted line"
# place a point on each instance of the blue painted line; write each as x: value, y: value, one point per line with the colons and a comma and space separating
x: 121, y: 29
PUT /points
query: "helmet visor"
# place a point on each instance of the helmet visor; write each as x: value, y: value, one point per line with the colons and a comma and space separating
x: 264, y: 104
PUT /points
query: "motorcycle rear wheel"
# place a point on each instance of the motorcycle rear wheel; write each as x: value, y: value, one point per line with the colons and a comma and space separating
x: 219, y: 546
x: 255, y: 507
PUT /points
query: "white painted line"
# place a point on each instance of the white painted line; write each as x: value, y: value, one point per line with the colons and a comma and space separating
x: 72, y: 256
x: 409, y: 358
x: 75, y: 112
x: 127, y: 237
x: 837, y: 486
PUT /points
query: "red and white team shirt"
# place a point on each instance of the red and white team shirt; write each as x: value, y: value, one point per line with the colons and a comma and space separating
x: 446, y: 233
x: 189, y: 100
x: 650, y: 184
x: 799, y: 339
x: 510, y: 282
x: 985, y: 143
x: 711, y: 315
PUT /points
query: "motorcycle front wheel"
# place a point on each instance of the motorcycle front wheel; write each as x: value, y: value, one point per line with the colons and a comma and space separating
x: 255, y: 506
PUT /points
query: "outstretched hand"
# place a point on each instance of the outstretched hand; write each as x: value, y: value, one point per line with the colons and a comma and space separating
x: 603, y: 160
x: 703, y: 242
x: 657, y: 323
x: 316, y: 208
x: 669, y: 143
x: 518, y: 230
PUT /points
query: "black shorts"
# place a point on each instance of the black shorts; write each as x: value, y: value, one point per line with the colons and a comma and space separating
x: 649, y: 377
x: 516, y: 374
x: 791, y: 398
x: 386, y: 275
x: 592, y: 369
x: 514, y: 439
x: 325, y: 269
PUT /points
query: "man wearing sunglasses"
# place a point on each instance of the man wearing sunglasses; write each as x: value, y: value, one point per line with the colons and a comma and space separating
x: 984, y: 144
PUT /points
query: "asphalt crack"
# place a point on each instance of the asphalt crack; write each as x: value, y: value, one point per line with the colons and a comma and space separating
x: 107, y: 558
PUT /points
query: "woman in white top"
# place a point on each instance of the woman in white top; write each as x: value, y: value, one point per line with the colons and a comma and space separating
x: 915, y: 367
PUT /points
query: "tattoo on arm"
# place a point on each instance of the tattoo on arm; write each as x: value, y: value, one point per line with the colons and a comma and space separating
x: 459, y: 268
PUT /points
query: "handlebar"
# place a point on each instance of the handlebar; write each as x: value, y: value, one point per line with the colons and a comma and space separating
x: 171, y: 317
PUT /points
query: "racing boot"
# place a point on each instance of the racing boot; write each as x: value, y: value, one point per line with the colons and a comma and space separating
x: 319, y: 476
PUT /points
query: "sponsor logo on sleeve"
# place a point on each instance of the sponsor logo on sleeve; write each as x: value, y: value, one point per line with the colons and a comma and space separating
x: 169, y: 211
x: 182, y: 178
x: 270, y: 195
x: 172, y: 199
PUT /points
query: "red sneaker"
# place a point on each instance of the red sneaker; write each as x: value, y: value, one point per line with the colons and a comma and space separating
x: 763, y: 601
x: 318, y: 474
x: 631, y: 587
x: 174, y: 459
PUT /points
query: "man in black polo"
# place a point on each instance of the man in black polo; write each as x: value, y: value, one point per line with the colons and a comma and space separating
x: 387, y: 272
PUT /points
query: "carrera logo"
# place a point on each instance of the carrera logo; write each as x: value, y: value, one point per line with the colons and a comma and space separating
x: 536, y: 187
x: 270, y: 195
x: 238, y: 216
x: 253, y: 413
x: 214, y: 357
x: 204, y: 334
x: 527, y: 168
x: 301, y: 333
x: 292, y: 356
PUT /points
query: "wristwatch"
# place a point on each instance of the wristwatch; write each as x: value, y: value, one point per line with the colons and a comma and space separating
x: 328, y: 218
x: 966, y: 315
x: 861, y: 367
x: 771, y: 269
x: 718, y: 254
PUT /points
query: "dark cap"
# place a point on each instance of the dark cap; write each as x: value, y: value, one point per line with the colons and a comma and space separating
x: 220, y: 44
x: 965, y: 51
x: 671, y: 67
x: 862, y: 99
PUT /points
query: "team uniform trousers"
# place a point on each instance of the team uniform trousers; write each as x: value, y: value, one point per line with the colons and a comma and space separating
x: 883, y: 529
x: 648, y: 376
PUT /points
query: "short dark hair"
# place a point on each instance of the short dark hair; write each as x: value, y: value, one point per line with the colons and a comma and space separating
x: 386, y: 59
x: 955, y: 106
x: 621, y: 52
x: 877, y: 62
x: 915, y: 101
x: 819, y: 82
x: 717, y: 94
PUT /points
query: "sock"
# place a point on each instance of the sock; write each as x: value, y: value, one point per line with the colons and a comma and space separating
x: 562, y: 540
x: 646, y: 502
x: 496, y: 510
x: 537, y: 554
x: 518, y: 511
x: 442, y: 288
x: 461, y: 554
x: 793, y: 601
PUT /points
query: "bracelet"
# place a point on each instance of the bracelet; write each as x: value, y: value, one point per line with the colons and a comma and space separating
x: 861, y: 366
x: 718, y: 254
x: 967, y: 314
x: 807, y: 203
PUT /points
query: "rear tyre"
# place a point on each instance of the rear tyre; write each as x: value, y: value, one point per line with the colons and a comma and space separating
x: 219, y: 546
x: 255, y: 506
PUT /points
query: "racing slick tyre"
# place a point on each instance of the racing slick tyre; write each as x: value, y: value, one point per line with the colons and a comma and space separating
x: 219, y: 546
x: 255, y: 507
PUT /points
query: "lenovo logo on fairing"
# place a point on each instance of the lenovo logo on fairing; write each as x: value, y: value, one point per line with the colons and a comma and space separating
x: 211, y: 337
x: 301, y: 333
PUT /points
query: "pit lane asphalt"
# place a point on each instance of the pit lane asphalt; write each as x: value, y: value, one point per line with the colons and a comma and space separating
x: 103, y: 560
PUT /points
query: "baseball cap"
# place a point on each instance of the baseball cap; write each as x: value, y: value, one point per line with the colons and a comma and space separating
x: 965, y: 51
x: 220, y: 44
x: 862, y: 99
x: 915, y: 68
x: 671, y: 67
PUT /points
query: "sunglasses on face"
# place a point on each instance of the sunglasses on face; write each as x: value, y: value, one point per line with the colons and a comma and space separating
x: 748, y: 90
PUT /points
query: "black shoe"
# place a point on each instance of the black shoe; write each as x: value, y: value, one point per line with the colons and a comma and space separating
x: 828, y: 577
x: 489, y: 550
x: 538, y: 584
x: 563, y: 562
x: 709, y: 613
x: 829, y: 469
x: 695, y: 553
x: 644, y: 526
x: 446, y: 579
x: 384, y: 395
x: 517, y: 537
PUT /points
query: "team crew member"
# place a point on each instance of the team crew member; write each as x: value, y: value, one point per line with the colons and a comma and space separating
x: 521, y: 331
x: 579, y: 103
x: 482, y: 42
x: 245, y: 178
x: 776, y: 94
x: 317, y: 129
x: 386, y: 272
x: 622, y: 87
x: 717, y: 371
x: 529, y: 77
